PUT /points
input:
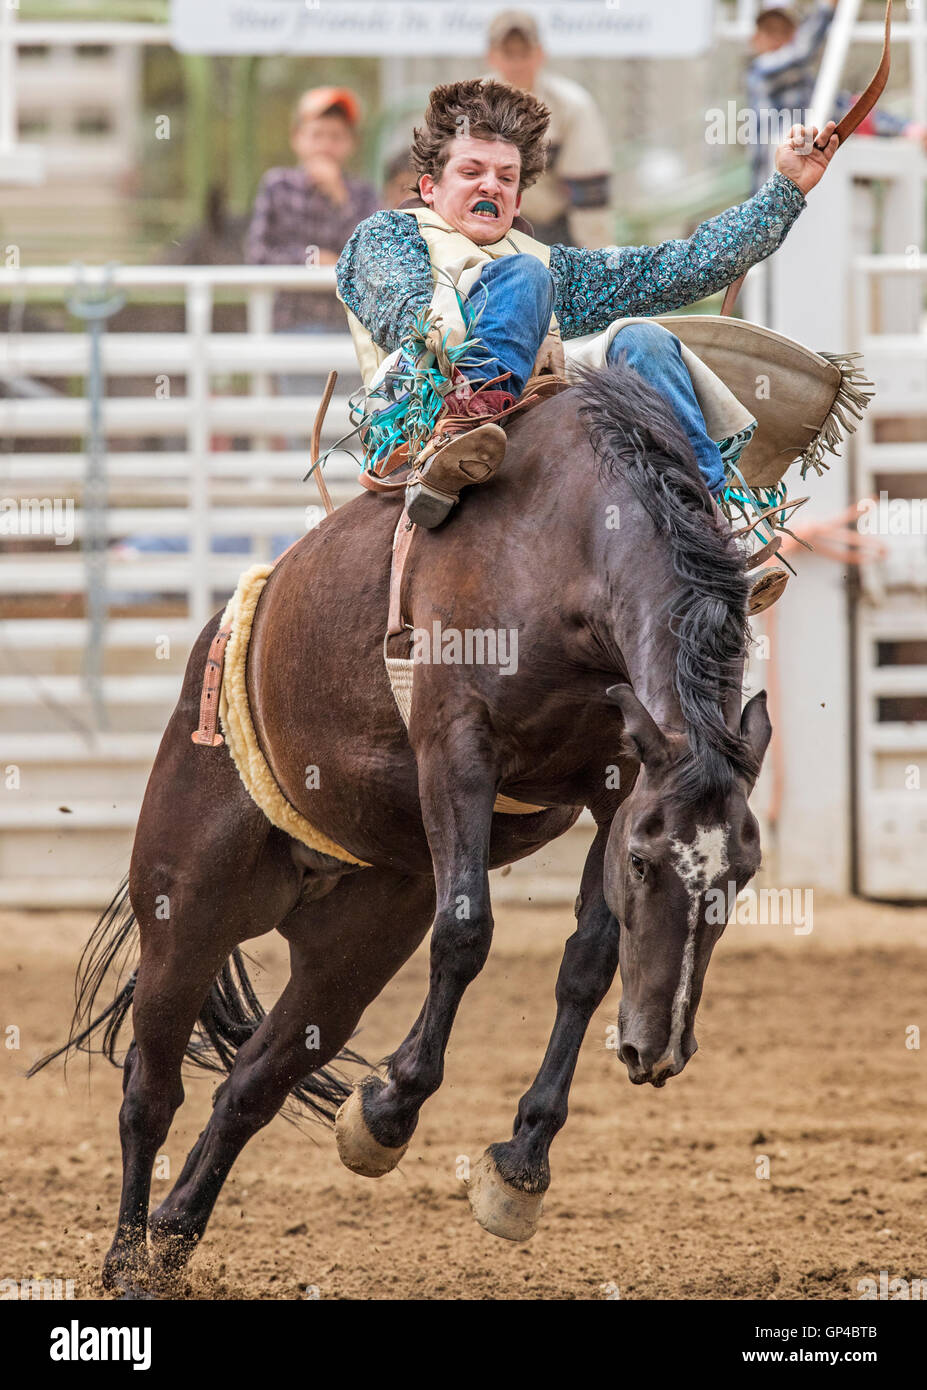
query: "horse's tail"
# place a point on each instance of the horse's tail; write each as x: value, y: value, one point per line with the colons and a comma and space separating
x: 111, y: 943
x: 230, y: 1014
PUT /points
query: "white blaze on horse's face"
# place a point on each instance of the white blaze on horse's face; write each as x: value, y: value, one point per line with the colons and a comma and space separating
x: 698, y: 864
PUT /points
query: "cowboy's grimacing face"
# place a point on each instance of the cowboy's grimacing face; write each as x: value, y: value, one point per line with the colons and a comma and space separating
x: 477, y: 191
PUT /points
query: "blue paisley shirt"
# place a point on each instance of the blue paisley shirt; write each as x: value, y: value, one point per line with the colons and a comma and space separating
x: 384, y: 271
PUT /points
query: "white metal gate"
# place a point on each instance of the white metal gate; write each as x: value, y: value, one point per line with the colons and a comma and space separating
x: 891, y: 611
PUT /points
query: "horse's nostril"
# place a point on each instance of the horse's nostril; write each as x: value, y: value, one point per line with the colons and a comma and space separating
x: 630, y: 1056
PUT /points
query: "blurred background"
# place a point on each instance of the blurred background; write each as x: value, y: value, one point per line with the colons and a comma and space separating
x: 176, y: 182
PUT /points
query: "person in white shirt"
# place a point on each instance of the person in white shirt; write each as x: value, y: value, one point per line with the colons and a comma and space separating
x: 571, y: 201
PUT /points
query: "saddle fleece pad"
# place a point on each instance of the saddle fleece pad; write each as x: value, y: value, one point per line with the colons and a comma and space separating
x: 240, y: 737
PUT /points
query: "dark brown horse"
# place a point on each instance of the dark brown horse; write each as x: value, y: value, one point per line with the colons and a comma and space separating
x: 598, y: 546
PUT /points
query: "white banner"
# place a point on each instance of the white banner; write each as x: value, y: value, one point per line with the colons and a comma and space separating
x: 569, y: 28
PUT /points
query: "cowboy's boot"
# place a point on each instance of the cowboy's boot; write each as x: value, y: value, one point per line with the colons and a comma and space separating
x: 461, y: 451
x: 465, y: 458
x: 769, y: 583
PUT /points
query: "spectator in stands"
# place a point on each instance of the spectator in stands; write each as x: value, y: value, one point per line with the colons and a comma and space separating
x: 781, y: 79
x: 304, y: 215
x: 570, y: 203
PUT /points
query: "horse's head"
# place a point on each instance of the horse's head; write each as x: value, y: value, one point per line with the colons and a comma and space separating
x: 673, y: 867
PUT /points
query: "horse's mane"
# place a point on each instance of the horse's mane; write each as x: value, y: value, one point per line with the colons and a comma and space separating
x: 636, y: 437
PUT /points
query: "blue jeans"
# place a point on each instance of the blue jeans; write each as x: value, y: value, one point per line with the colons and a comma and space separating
x: 516, y: 297
x: 509, y: 310
x: 656, y: 355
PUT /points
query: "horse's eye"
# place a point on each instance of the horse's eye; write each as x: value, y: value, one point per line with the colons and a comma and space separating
x: 638, y: 867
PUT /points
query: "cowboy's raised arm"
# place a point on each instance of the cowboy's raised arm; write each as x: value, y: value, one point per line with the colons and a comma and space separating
x: 593, y: 288
x: 384, y: 276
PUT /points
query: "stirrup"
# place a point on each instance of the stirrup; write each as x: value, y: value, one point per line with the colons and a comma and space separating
x: 427, y: 508
x: 765, y: 552
x: 767, y: 587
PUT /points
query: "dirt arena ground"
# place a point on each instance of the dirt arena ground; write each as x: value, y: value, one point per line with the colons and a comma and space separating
x: 655, y: 1194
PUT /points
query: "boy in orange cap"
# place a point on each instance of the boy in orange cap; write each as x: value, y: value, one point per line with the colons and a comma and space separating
x: 304, y: 214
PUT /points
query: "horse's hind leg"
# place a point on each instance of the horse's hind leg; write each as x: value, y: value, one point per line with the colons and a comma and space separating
x: 343, y: 948
x: 208, y: 871
x: 168, y: 996
x: 208, y: 916
x: 180, y: 958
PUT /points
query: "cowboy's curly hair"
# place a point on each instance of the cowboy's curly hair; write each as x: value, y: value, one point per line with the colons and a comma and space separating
x: 486, y: 110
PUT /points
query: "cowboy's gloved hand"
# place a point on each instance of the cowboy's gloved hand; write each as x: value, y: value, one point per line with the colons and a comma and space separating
x: 799, y: 161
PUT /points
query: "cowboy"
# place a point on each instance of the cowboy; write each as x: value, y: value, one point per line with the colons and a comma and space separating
x: 461, y: 260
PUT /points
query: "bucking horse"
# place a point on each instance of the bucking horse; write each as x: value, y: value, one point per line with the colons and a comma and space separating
x: 600, y: 547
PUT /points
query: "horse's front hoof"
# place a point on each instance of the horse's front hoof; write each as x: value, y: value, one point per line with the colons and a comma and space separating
x: 357, y: 1148
x: 126, y: 1273
x: 172, y: 1247
x: 501, y: 1209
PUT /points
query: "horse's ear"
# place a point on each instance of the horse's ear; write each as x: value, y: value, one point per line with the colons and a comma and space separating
x: 647, y: 738
x: 755, y: 727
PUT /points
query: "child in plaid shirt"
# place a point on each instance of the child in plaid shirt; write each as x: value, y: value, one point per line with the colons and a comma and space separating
x: 304, y: 215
